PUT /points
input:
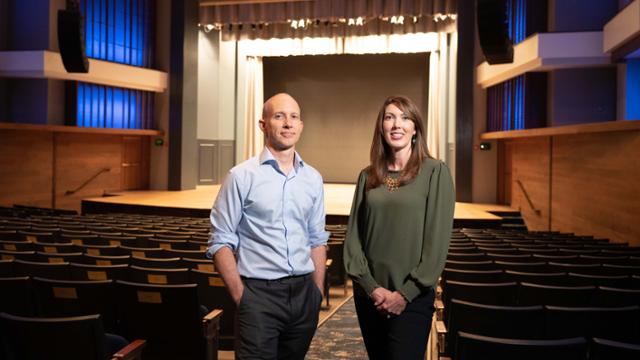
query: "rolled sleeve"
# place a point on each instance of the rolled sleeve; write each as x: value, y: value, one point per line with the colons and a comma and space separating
x: 318, y: 236
x: 225, y: 216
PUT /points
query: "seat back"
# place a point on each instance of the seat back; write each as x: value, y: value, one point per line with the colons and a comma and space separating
x: 42, y: 269
x: 213, y: 294
x: 58, y: 298
x: 516, y: 322
x: 17, y: 296
x: 481, y: 276
x: 615, y: 323
x: 74, y: 338
x: 6, y: 268
x: 99, y: 272
x: 477, y: 347
x: 556, y: 279
x: 167, y: 316
x: 536, y: 294
x: 607, y: 296
x: 158, y: 275
x: 604, y: 349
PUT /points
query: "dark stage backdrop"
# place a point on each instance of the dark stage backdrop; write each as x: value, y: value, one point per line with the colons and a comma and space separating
x: 340, y: 96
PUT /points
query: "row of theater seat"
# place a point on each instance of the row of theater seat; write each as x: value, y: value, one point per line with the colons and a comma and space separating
x: 538, y: 295
x: 74, y: 253
x: 169, y: 317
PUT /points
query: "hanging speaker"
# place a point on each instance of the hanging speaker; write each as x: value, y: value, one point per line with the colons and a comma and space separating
x: 71, y: 40
x: 491, y: 17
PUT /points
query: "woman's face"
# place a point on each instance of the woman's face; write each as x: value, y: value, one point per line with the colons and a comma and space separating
x: 397, y: 128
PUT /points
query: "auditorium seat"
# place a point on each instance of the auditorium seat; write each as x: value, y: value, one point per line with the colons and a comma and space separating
x: 58, y: 270
x: 605, y: 349
x: 478, y: 347
x: 516, y: 322
x: 199, y: 264
x: 10, y: 235
x: 191, y: 254
x: 619, y: 281
x: 213, y: 294
x: 154, y: 252
x: 169, y: 318
x: 32, y: 236
x: 537, y: 294
x: 17, y: 296
x: 510, y: 257
x: 610, y: 269
x: 476, y: 256
x: 72, y: 338
x: 557, y: 279
x: 83, y: 239
x: 567, y: 259
x: 615, y: 323
x: 104, y: 259
x: 58, y: 257
x: 107, y: 250
x: 481, y: 276
x: 6, y: 268
x: 607, y: 296
x: 60, y: 298
x: 593, y: 269
x: 158, y: 275
x: 125, y: 241
x: 521, y: 266
x: 160, y: 263
x: 17, y: 255
x: 470, y: 265
x: 483, y: 293
x: 99, y: 272
x: 12, y: 245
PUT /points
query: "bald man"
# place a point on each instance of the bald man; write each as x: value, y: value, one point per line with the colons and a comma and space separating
x: 268, y: 240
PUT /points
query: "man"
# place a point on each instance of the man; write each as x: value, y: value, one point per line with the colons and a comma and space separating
x: 268, y: 240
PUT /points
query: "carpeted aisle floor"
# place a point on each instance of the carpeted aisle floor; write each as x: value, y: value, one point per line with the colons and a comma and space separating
x: 339, y: 337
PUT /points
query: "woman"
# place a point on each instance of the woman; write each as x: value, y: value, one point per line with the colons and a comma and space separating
x: 398, y: 235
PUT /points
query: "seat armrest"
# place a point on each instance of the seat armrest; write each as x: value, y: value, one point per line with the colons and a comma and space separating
x: 439, y: 310
x: 211, y: 333
x: 131, y: 351
x: 441, y: 330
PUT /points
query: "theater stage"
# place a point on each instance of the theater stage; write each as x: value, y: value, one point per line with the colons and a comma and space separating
x: 198, y: 202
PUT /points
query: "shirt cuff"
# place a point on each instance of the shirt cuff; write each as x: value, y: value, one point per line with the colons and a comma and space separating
x: 213, y: 249
x: 410, y: 290
x: 368, y: 283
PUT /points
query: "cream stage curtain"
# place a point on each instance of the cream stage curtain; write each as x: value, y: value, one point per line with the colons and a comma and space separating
x: 440, y: 122
x: 253, y: 136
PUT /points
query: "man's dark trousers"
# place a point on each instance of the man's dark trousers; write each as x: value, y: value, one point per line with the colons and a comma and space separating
x: 277, y: 318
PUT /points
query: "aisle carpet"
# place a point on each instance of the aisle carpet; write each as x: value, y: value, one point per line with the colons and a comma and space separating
x: 339, y: 337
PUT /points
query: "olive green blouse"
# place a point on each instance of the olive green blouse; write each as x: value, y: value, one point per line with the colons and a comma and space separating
x: 399, y: 239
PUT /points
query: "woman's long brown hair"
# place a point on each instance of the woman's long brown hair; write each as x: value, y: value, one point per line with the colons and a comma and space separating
x: 382, y: 155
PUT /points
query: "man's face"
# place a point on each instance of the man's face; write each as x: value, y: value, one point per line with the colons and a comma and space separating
x: 282, y: 124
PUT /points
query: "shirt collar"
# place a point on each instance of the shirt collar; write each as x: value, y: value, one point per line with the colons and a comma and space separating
x: 267, y: 157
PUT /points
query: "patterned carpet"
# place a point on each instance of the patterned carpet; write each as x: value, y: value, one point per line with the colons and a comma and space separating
x: 339, y: 337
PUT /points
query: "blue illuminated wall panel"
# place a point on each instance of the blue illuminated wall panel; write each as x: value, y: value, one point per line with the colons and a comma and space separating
x: 632, y: 100
x: 510, y: 104
x: 112, y: 107
x: 119, y: 31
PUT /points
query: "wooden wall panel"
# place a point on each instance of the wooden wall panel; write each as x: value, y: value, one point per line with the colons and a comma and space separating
x: 596, y: 185
x: 530, y: 166
x: 26, y: 168
x: 79, y: 157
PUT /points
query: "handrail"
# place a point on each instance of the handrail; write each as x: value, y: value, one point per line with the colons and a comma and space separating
x: 71, y: 192
x: 526, y: 196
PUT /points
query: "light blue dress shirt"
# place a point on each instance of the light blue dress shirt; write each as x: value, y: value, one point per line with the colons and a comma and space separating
x: 270, y: 220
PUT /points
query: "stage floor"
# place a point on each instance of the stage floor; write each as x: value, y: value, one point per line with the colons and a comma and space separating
x: 198, y: 202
